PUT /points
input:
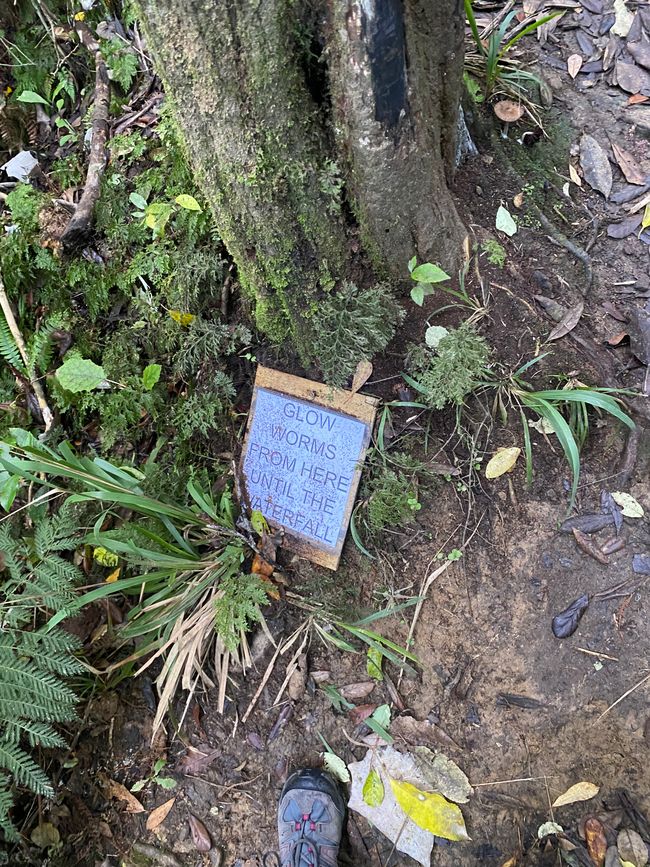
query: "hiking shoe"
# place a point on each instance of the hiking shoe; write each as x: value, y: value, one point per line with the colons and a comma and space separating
x: 310, y: 820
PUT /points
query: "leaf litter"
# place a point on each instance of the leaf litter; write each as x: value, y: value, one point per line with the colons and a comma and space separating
x: 410, y: 814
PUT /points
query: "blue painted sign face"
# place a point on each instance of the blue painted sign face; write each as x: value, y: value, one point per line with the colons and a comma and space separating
x: 301, y: 466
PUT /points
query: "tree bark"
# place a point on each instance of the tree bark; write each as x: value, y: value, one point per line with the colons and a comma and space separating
x: 397, y: 73
x: 269, y: 143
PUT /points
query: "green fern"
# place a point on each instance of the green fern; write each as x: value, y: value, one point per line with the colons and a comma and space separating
x: 33, y: 697
x: 8, y: 349
x: 33, y: 664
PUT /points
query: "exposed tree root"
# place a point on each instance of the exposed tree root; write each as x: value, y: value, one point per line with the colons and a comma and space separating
x: 80, y: 223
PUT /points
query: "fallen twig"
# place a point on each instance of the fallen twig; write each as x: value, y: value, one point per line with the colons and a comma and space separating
x: 46, y: 412
x: 624, y: 696
x: 80, y: 222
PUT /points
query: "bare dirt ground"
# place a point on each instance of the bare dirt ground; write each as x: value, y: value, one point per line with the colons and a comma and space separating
x: 485, y: 629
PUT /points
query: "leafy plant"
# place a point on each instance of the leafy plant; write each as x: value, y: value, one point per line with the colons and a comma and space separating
x: 392, y: 501
x: 489, y: 62
x: 34, y: 664
x: 352, y: 324
x: 122, y: 62
x: 496, y: 255
x: 453, y: 370
x: 183, y: 557
x: 425, y: 276
x: 156, y: 778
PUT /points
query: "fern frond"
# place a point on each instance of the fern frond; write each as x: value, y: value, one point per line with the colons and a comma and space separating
x: 52, y: 583
x: 6, y: 803
x: 41, y: 345
x: 53, y: 651
x: 24, y: 769
x: 39, y: 734
x: 20, y: 677
x: 8, y: 349
x: 60, y: 532
x: 14, y: 554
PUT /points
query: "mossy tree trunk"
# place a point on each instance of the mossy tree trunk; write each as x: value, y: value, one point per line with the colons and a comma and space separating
x: 309, y: 122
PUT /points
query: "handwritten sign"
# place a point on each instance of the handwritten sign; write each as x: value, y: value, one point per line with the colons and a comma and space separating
x: 302, y: 459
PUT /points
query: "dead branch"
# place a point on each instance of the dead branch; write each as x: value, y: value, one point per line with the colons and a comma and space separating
x: 81, y: 221
x: 46, y: 412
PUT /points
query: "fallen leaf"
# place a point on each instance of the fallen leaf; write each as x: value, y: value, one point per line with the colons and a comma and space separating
x: 505, y: 222
x: 434, y: 335
x: 195, y: 761
x: 608, y: 307
x: 430, y: 811
x: 502, y: 462
x: 45, y: 835
x: 158, y: 816
x: 112, y: 577
x: 443, y: 775
x: 567, y: 323
x: 629, y: 506
x: 121, y: 793
x: 542, y: 425
x: 298, y: 679
x: 357, y: 691
x: 574, y: 64
x: 566, y: 622
x: 525, y: 702
x: 624, y: 19
x: 361, y: 375
x: 588, y: 546
x: 583, y: 791
x: 587, y: 523
x: 596, y: 169
x: 373, y: 790
x: 335, y: 765
x: 547, y: 829
x: 632, y: 848
x: 628, y: 165
x: 631, y: 78
x: 637, y: 99
x: 387, y: 817
x: 361, y: 712
x: 575, y: 177
x: 200, y: 836
x: 518, y: 200
x: 596, y: 841
x: 617, y: 338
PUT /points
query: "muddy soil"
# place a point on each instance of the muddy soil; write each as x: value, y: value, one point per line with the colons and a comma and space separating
x: 485, y: 629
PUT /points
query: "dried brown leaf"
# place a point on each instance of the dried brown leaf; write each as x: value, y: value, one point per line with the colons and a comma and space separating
x: 357, y: 691
x: 575, y: 177
x: 632, y: 848
x: 574, y: 64
x: 158, y: 816
x: 362, y: 712
x: 589, y: 547
x: 628, y: 165
x: 596, y: 841
x: 121, y: 793
x: 583, y: 791
x: 421, y: 733
x: 200, y: 836
x: 595, y: 165
x: 567, y: 323
x: 361, y: 375
x: 298, y: 680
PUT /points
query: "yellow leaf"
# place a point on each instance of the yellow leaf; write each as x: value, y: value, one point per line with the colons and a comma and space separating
x: 373, y: 790
x: 579, y: 792
x: 182, y: 318
x: 79, y: 16
x: 646, y: 217
x: 502, y: 462
x: 629, y: 506
x: 430, y: 811
x: 105, y: 558
x: 115, y: 574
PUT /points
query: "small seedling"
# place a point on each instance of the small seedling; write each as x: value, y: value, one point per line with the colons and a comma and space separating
x: 154, y: 777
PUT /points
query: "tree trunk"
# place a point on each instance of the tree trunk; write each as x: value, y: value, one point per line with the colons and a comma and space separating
x: 309, y: 120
